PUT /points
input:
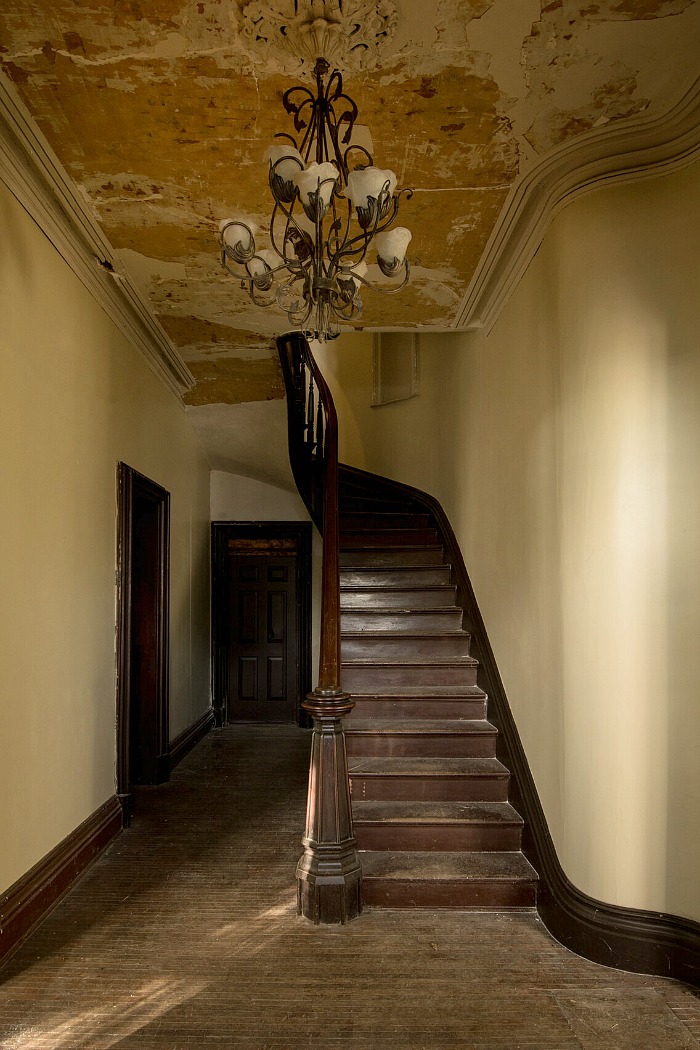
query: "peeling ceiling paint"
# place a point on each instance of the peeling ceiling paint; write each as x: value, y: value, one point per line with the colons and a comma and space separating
x: 161, y: 111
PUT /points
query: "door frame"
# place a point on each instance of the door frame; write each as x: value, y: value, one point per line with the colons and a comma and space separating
x: 222, y: 533
x: 129, y: 484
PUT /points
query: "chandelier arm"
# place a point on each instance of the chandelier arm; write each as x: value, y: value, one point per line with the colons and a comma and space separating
x: 335, y: 93
x: 345, y: 309
x: 312, y: 130
x: 291, y: 262
x: 355, y: 147
x: 388, y: 289
x: 335, y: 227
x: 297, y: 108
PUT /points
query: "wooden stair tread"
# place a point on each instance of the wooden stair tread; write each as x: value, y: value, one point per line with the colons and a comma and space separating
x: 402, y: 610
x: 434, y: 812
x: 391, y: 570
x: 384, y: 661
x: 383, y: 588
x: 408, y: 635
x: 433, y: 547
x: 443, y: 866
x: 420, y: 726
x: 436, y: 692
x: 416, y: 766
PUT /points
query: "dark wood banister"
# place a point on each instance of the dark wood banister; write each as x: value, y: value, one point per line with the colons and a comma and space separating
x: 328, y: 874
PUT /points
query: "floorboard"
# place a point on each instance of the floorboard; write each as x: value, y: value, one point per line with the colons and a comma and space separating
x: 184, y: 936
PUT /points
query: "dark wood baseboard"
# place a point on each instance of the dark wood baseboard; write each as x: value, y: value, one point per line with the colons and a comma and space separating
x: 29, y: 900
x: 190, y: 737
x: 626, y: 938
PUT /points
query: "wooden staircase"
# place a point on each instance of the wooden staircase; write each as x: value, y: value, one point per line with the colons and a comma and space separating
x: 429, y: 797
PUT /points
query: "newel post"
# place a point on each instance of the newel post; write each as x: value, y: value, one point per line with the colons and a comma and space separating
x: 329, y: 876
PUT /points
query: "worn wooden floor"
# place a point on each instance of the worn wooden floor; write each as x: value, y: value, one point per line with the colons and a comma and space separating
x: 184, y: 936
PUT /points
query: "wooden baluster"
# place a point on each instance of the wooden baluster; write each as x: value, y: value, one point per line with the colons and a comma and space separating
x: 329, y: 876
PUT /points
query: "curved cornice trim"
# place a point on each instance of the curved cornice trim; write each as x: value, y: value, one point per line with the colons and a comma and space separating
x: 35, y: 176
x: 616, y: 154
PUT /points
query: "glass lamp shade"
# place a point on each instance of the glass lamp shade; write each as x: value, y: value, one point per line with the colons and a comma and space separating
x: 370, y: 190
x: 315, y: 185
x: 391, y: 248
x: 357, y: 271
x: 238, y: 238
x: 348, y: 283
x: 285, y: 163
x: 260, y: 266
x: 300, y: 237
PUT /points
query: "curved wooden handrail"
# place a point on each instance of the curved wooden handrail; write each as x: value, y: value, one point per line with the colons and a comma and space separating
x: 328, y: 874
x: 313, y: 452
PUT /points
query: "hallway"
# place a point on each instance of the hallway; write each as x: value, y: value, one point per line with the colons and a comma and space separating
x: 185, y: 936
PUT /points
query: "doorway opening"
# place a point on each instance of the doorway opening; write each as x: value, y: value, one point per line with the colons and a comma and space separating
x: 261, y: 620
x: 143, y: 589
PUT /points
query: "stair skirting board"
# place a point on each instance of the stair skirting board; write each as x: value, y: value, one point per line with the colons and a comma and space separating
x: 625, y: 938
x: 29, y: 900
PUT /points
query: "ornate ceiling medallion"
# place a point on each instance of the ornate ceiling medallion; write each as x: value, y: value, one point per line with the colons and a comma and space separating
x: 350, y: 33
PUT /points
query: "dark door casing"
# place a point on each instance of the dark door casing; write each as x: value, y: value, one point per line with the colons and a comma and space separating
x: 142, y: 632
x: 261, y: 606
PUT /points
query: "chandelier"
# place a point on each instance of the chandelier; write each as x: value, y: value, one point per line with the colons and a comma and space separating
x: 326, y: 218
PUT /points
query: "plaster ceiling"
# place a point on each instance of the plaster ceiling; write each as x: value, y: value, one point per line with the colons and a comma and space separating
x: 161, y: 110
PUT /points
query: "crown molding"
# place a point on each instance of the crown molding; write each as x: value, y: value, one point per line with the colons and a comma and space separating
x: 639, y: 149
x: 35, y: 176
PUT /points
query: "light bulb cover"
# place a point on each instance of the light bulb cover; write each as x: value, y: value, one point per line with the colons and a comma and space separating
x: 391, y: 248
x: 316, y: 185
x: 237, y: 239
x: 285, y: 162
x: 370, y: 190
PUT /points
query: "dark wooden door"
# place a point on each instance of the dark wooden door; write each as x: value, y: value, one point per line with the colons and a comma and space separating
x: 261, y: 592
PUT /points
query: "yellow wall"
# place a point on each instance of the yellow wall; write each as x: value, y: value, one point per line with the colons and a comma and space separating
x: 564, y: 448
x: 76, y: 399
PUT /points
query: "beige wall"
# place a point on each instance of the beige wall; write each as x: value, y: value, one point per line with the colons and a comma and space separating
x: 564, y: 448
x: 76, y: 399
x: 237, y: 498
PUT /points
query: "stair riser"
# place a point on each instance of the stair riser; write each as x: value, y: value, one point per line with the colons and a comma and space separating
x: 387, y: 837
x: 388, y: 679
x: 389, y: 538
x: 356, y: 504
x: 399, y: 578
x: 479, y: 896
x: 436, y: 598
x: 429, y: 789
x: 439, y: 647
x: 387, y: 559
x: 419, y: 708
x: 372, y: 620
x: 435, y: 745
x: 362, y: 520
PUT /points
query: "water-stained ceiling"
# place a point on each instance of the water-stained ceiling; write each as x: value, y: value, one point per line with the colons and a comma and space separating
x: 161, y: 110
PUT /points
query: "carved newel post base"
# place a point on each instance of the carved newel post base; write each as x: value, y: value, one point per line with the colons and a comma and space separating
x: 329, y: 877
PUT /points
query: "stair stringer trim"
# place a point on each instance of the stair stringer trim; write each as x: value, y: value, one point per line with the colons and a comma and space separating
x: 633, y: 939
